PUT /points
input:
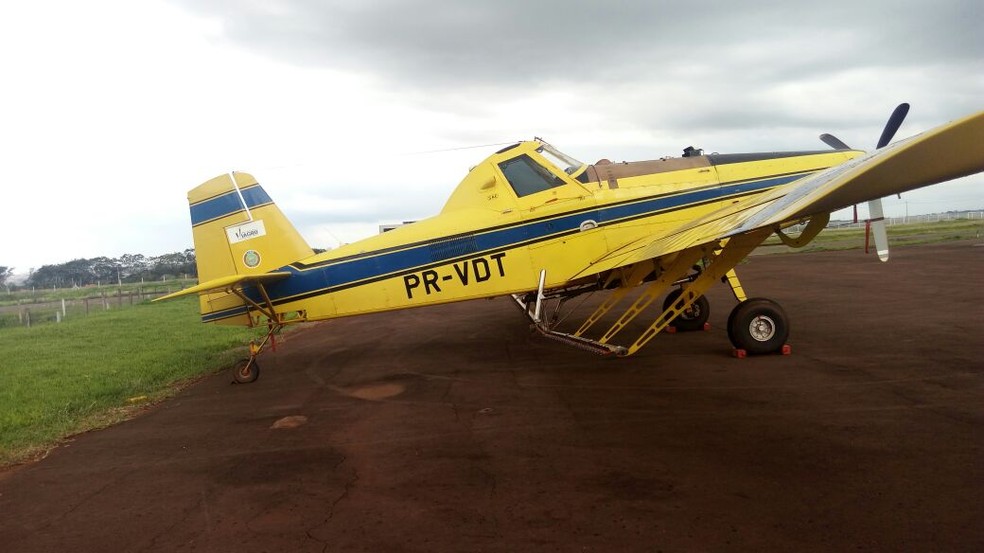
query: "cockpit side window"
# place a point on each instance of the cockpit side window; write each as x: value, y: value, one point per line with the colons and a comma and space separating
x: 527, y: 176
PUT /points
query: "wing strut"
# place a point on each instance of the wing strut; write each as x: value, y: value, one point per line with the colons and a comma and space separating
x: 720, y: 260
x: 722, y: 263
x: 630, y: 278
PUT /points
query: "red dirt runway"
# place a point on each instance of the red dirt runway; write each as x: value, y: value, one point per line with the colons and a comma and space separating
x: 455, y: 429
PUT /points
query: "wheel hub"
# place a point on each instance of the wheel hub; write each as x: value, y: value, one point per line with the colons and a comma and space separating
x: 762, y: 328
x: 691, y: 312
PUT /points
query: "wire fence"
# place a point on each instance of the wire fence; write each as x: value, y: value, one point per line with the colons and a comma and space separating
x: 32, y: 313
x: 914, y: 219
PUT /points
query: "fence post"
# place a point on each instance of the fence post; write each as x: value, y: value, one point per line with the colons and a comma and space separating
x: 63, y: 308
x: 27, y: 313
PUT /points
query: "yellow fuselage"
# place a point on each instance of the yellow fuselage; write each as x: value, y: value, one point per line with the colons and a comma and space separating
x: 495, y: 234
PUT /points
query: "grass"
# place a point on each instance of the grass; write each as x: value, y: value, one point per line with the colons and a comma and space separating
x: 61, y: 379
x: 898, y: 235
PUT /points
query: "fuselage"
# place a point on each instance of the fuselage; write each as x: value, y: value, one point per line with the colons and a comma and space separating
x: 523, y: 210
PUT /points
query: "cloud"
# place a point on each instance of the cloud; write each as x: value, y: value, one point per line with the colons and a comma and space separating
x: 117, y: 108
x: 665, y: 66
x: 436, y: 43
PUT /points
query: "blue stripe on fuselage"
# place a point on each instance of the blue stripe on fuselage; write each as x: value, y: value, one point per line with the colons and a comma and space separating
x: 345, y: 273
x: 228, y: 204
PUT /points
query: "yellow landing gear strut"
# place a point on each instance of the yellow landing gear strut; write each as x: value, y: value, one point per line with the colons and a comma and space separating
x: 756, y: 325
x: 248, y: 370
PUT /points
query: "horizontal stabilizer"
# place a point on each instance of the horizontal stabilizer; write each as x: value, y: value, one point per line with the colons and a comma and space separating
x: 225, y: 283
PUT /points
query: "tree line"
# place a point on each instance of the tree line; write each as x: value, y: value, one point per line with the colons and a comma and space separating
x: 110, y: 270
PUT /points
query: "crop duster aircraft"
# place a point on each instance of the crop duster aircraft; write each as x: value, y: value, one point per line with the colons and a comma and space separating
x: 535, y: 224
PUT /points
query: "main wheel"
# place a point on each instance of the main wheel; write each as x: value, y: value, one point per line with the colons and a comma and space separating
x: 693, y: 317
x: 758, y: 325
x: 246, y: 370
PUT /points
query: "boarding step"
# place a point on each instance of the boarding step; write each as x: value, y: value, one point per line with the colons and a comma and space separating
x: 586, y: 344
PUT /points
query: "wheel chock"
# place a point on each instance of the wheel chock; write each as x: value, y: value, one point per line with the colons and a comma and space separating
x: 741, y: 354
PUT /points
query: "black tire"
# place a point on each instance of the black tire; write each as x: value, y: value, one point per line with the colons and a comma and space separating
x: 246, y: 371
x: 758, y: 326
x: 692, y: 318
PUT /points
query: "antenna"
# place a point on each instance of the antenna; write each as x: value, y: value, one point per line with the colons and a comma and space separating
x: 232, y: 175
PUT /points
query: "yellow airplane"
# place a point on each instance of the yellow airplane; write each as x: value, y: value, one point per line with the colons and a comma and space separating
x: 532, y: 223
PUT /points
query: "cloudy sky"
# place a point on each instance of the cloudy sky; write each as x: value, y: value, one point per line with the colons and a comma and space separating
x: 354, y: 113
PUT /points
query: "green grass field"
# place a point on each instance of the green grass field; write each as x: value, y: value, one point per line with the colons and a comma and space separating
x: 60, y: 379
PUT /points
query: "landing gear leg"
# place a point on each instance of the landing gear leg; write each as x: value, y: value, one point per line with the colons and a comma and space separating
x: 248, y: 370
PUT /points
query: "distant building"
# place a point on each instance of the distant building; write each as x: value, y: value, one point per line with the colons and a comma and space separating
x: 391, y: 226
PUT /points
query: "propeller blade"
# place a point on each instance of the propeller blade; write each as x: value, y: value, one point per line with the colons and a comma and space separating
x: 894, y: 122
x: 877, y: 218
x: 834, y: 142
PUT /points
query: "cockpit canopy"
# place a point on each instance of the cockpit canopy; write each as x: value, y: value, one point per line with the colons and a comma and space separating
x: 528, y: 176
x: 527, y: 168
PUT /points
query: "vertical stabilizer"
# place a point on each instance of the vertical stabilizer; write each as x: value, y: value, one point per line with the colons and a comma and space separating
x: 238, y: 230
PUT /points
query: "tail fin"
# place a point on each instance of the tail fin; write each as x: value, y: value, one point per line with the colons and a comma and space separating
x: 238, y: 230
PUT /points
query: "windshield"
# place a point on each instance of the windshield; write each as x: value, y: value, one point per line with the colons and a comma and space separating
x: 560, y: 160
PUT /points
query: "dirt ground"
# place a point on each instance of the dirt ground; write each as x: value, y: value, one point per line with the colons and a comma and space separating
x: 455, y: 429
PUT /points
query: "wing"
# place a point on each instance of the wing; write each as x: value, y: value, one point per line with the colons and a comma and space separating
x: 947, y: 152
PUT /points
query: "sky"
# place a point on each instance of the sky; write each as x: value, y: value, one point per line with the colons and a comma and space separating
x: 353, y: 114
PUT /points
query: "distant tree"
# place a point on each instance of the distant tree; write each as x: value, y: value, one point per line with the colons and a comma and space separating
x: 5, y: 273
x: 107, y: 270
x: 174, y: 264
x: 104, y: 269
x: 132, y: 266
x: 77, y: 272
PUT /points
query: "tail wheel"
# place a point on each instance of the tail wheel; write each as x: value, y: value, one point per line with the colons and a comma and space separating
x: 758, y: 325
x: 693, y: 317
x: 246, y: 371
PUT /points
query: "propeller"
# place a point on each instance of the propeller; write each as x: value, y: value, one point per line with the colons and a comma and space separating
x: 834, y: 142
x: 876, y: 216
x: 892, y: 127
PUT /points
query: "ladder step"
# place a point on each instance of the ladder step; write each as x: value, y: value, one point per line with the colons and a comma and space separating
x: 583, y: 343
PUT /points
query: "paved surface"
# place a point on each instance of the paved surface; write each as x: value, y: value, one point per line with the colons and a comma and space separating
x: 454, y: 429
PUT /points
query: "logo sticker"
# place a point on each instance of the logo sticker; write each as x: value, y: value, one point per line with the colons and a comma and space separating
x: 251, y: 258
x: 246, y: 231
